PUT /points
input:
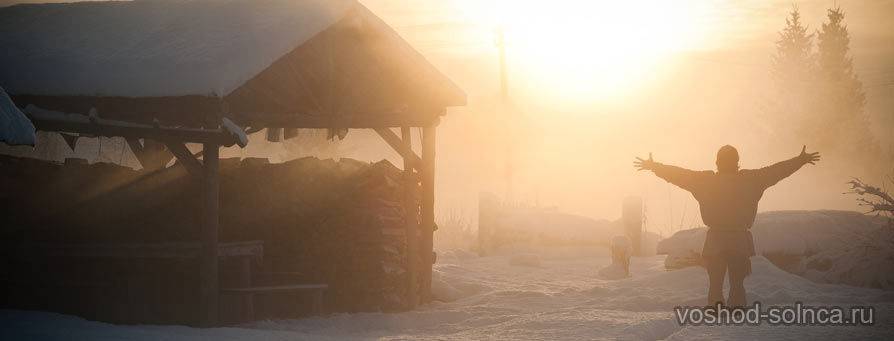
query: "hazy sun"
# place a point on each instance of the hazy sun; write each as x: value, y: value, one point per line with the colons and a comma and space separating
x: 584, y: 50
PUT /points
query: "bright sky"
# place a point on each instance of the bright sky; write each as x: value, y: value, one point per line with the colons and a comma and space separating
x: 585, y: 52
x: 679, y: 78
x: 573, y: 52
x: 562, y: 46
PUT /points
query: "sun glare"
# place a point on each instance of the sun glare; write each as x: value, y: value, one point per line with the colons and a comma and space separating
x: 581, y: 51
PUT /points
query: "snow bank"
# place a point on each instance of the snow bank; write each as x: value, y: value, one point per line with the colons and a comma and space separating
x: 152, y: 48
x: 443, y: 291
x: 550, y: 227
x: 553, y: 252
x: 824, y: 246
x: 457, y: 254
x: 683, y: 249
x: 612, y: 272
x: 516, y: 227
x: 525, y: 259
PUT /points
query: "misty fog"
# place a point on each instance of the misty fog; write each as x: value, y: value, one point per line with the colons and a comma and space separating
x: 575, y: 155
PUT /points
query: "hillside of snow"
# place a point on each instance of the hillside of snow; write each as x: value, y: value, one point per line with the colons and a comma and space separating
x: 824, y: 246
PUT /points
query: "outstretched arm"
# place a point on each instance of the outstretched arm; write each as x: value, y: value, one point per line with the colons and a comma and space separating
x: 682, y: 177
x: 770, y: 175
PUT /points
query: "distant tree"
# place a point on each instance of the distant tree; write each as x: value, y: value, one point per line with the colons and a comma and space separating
x: 834, y: 61
x: 794, y: 62
x: 840, y: 96
x: 793, y: 72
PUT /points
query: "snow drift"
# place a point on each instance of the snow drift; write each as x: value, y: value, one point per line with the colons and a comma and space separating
x: 824, y: 246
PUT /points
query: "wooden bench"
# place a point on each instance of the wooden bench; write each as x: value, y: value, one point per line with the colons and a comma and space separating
x: 248, y: 294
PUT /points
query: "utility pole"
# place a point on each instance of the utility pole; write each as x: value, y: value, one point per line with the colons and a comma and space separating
x: 500, y: 42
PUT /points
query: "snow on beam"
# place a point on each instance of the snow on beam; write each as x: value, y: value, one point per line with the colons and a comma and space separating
x: 15, y: 128
x: 227, y: 134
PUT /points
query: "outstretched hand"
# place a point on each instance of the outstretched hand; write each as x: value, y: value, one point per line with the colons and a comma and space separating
x: 641, y: 164
x: 810, y: 158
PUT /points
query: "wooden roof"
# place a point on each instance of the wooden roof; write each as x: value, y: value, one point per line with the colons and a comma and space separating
x: 319, y: 64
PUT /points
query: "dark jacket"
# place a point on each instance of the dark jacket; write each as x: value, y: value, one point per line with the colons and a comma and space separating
x: 728, y: 200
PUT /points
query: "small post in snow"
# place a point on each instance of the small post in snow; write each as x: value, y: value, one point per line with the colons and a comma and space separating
x: 632, y: 218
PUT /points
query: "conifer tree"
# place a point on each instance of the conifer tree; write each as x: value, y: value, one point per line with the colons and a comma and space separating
x: 840, y: 97
x: 793, y: 71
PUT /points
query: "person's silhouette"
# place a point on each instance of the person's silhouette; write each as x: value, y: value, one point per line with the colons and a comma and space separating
x: 728, y: 201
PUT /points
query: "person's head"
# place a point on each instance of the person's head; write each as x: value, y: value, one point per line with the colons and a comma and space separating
x: 727, y: 159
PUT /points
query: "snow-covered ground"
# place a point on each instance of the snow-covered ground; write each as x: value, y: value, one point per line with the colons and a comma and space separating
x: 562, y: 297
x: 825, y: 246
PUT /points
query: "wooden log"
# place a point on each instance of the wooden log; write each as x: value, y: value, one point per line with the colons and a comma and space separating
x: 208, y: 264
x: 410, y: 217
x: 428, y: 208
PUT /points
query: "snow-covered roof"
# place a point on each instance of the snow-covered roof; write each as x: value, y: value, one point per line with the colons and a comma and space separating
x: 15, y: 128
x: 152, y: 48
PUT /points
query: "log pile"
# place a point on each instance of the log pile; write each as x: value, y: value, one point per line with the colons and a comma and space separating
x: 335, y: 222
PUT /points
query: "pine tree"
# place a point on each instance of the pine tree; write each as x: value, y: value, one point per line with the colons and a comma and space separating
x: 841, y: 98
x: 794, y: 62
x: 793, y: 71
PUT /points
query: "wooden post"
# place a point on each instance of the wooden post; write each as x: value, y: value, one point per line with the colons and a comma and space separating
x: 488, y: 216
x: 208, y: 263
x: 429, y: 136
x: 410, y: 212
x: 632, y: 216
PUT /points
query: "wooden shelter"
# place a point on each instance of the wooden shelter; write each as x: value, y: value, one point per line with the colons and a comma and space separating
x: 210, y: 71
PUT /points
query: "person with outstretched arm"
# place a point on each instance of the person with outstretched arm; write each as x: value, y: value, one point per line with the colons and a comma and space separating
x: 728, y: 202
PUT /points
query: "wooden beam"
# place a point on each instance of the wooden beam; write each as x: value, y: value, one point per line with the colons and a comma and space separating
x: 208, y: 271
x: 48, y: 120
x: 138, y: 151
x: 189, y: 110
x: 429, y: 138
x: 185, y: 158
x: 411, y: 117
x: 410, y: 211
x: 405, y: 151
